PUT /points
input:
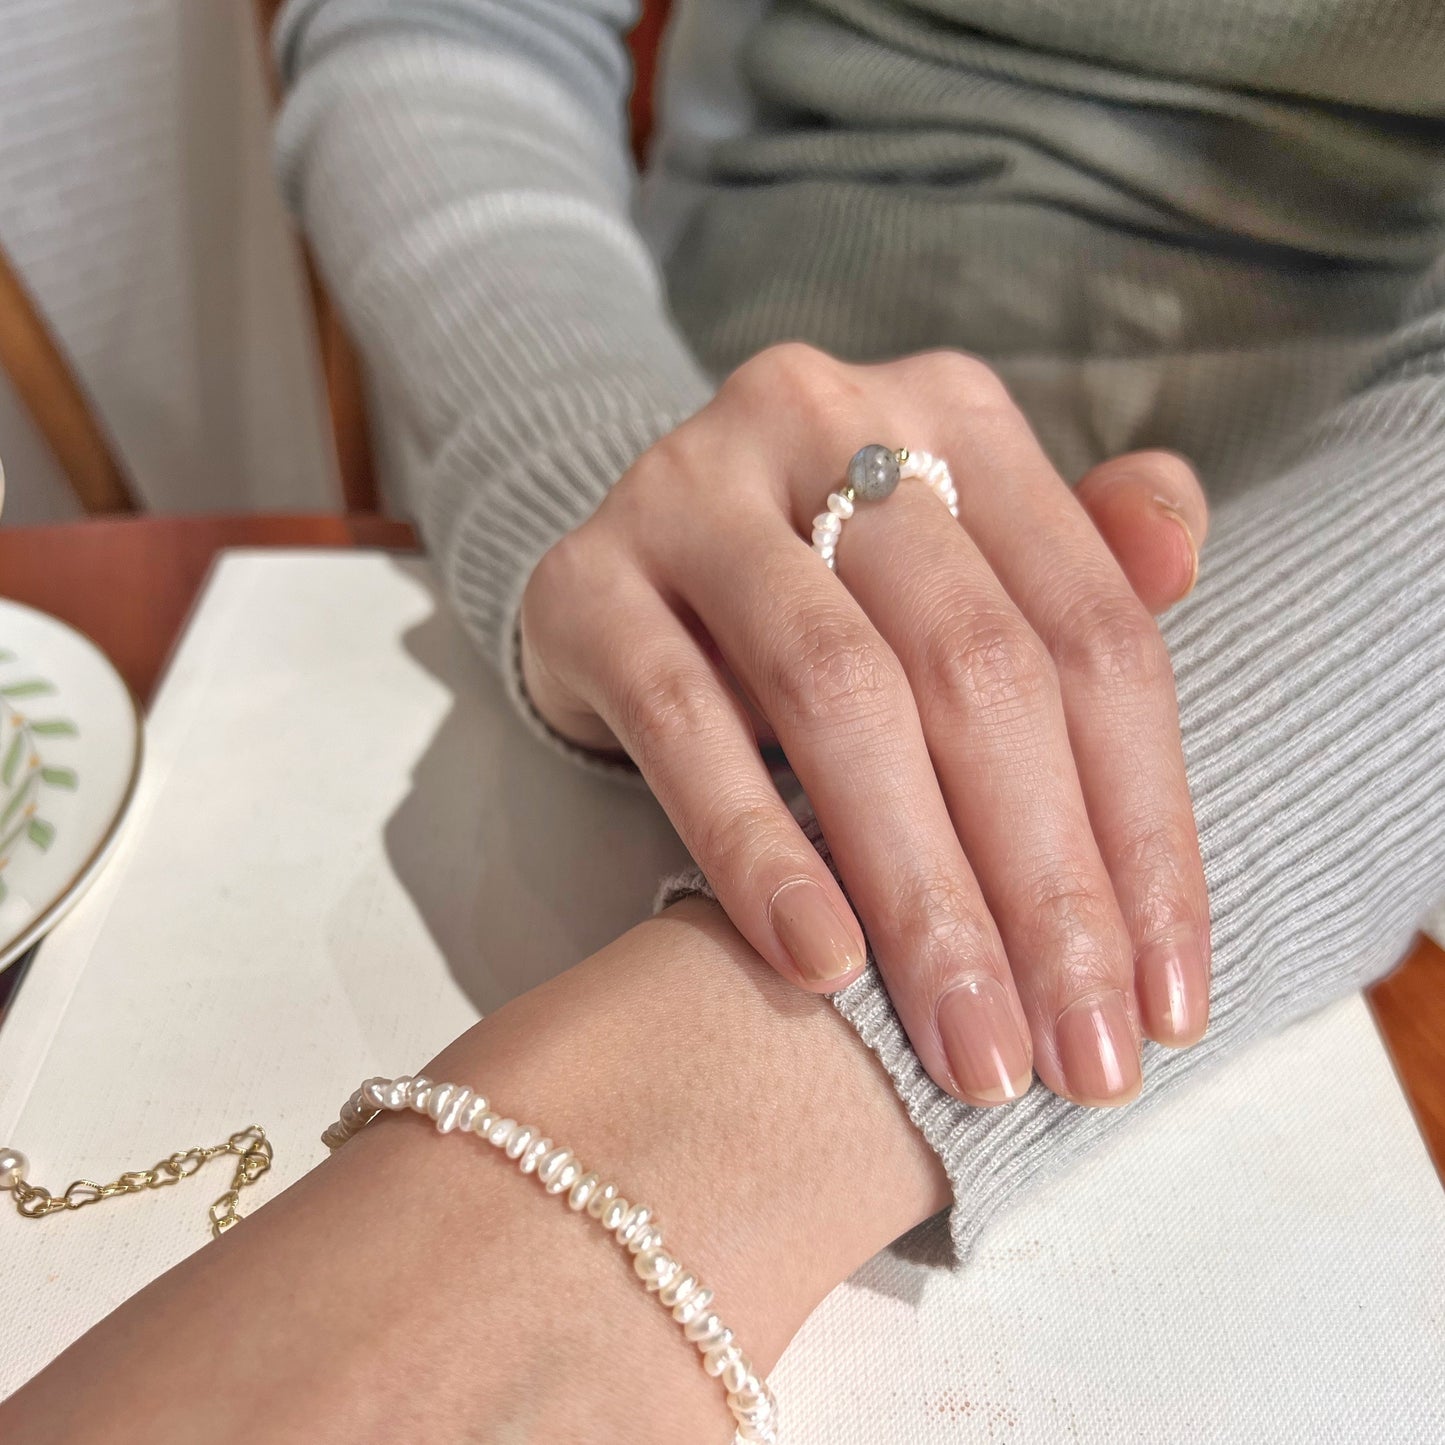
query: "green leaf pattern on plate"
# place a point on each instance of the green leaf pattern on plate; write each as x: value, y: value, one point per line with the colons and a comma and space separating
x: 24, y: 772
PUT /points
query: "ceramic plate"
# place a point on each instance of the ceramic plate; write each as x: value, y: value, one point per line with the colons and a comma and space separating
x: 70, y: 749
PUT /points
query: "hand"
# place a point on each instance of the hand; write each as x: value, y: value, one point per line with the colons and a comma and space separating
x: 982, y: 715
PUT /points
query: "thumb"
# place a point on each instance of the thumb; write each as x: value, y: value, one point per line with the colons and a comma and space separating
x: 1150, y: 509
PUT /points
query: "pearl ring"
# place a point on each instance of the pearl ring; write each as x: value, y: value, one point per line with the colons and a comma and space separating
x: 873, y: 476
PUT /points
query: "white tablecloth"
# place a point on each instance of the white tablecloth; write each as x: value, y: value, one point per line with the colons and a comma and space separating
x: 345, y: 847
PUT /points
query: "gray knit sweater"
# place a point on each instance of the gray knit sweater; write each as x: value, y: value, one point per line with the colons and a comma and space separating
x: 1214, y: 226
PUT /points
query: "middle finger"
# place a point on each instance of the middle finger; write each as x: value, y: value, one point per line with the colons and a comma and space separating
x: 989, y: 700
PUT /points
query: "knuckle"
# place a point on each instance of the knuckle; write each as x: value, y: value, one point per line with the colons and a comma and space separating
x: 800, y: 377
x: 966, y: 378
x: 662, y: 471
x: 987, y: 662
x: 659, y: 710
x: 741, y: 845
x: 941, y: 930
x: 833, y: 667
x: 570, y: 568
x: 1110, y: 639
x: 1161, y: 857
x: 1080, y: 920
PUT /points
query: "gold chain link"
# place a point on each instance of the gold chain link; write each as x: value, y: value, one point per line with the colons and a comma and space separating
x: 253, y: 1158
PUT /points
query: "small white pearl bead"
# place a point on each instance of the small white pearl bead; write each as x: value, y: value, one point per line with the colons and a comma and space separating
x: 757, y: 1413
x: 438, y: 1097
x: 655, y: 1268
x: 394, y: 1094
x: 756, y: 1434
x: 827, y: 522
x: 690, y: 1308
x: 634, y: 1219
x: 720, y: 1357
x: 839, y: 505
x: 703, y: 1329
x: 614, y: 1213
x: 483, y: 1125
x: 582, y: 1191
x: 451, y: 1112
x: 679, y: 1290
x: 735, y: 1376
x: 552, y: 1164
x: 535, y: 1152
x: 13, y: 1165
x: 600, y: 1202
x: 371, y: 1092
x: 517, y: 1140
x: 564, y: 1178
x: 648, y: 1237
x: 474, y: 1109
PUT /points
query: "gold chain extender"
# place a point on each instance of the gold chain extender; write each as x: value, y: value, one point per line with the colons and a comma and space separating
x: 253, y: 1158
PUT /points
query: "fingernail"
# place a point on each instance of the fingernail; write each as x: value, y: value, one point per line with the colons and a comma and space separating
x: 1173, y: 983
x: 1175, y: 515
x: 821, y: 944
x: 1097, y: 1050
x: 986, y: 1050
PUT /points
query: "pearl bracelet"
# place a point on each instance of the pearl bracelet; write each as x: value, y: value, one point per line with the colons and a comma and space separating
x: 680, y: 1291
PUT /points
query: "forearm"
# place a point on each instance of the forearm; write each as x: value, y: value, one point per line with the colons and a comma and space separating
x: 464, y: 176
x: 418, y: 1278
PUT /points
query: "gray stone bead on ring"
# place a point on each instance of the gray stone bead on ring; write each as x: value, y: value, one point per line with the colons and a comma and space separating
x: 874, y: 473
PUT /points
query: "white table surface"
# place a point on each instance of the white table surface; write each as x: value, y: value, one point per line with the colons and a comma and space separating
x: 346, y: 848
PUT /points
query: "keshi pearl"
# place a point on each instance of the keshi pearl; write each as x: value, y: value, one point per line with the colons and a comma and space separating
x: 873, y: 473
x: 703, y: 1328
x: 437, y: 1099
x: 680, y: 1288
x: 500, y: 1132
x: 394, y: 1094
x: 597, y: 1206
x: 689, y: 1309
x: 418, y: 1094
x: 748, y: 1393
x: 522, y: 1137
x: 720, y: 1357
x: 839, y: 505
x: 760, y: 1412
x: 474, y: 1108
x: 648, y: 1237
x: 614, y: 1213
x: 484, y: 1123
x: 535, y: 1152
x: 371, y: 1092
x: 655, y: 1267
x: 564, y: 1178
x: 451, y: 1112
x: 552, y: 1164
x: 827, y: 522
x: 582, y: 1191
x: 735, y: 1376
x: 13, y: 1165
x: 634, y: 1219
x: 756, y: 1434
